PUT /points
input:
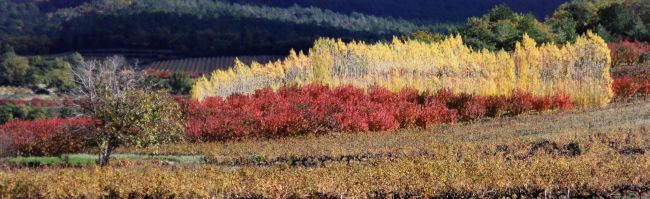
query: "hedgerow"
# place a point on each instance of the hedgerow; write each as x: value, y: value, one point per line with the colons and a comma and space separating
x: 318, y: 109
x: 47, y: 137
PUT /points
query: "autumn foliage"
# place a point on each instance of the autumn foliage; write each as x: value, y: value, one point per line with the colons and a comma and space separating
x: 581, y: 68
x: 627, y: 87
x: 627, y: 52
x: 43, y: 137
x: 317, y: 109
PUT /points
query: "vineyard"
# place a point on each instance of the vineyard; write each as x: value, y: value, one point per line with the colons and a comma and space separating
x: 545, y: 155
x: 580, y: 68
x: 373, y: 99
x: 201, y: 66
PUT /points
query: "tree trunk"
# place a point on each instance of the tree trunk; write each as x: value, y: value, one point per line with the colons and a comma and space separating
x: 105, y: 156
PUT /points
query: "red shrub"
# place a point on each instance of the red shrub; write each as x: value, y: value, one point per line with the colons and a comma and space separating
x: 407, y: 113
x: 381, y: 95
x: 520, y: 102
x: 496, y: 106
x: 543, y: 103
x: 47, y: 136
x: 297, y: 110
x: 625, y: 87
x: 472, y: 108
x: 434, y: 113
x: 52, y: 103
x: 37, y: 102
x: 410, y: 95
x: 446, y: 96
x: 19, y: 102
x: 382, y: 117
x: 627, y: 52
x: 562, y: 102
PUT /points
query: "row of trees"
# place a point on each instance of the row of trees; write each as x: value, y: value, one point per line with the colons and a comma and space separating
x: 501, y: 27
x: 580, y: 68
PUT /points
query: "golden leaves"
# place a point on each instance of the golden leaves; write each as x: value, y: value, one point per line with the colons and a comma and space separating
x: 580, y: 69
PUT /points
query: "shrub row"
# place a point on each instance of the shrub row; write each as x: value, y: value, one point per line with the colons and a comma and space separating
x: 312, y: 109
x: 37, y: 102
x: 45, y: 137
x: 320, y: 109
x: 626, y: 87
x: 630, y: 53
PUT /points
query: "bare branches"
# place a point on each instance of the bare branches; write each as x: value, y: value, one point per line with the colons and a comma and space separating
x: 99, y: 80
x: 124, y: 110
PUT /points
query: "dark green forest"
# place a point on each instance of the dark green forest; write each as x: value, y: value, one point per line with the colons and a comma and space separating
x: 246, y: 27
x: 443, y: 11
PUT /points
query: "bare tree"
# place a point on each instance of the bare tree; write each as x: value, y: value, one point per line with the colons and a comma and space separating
x: 124, y: 110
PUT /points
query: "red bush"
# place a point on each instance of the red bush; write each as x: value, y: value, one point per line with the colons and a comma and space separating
x: 45, y: 137
x: 473, y: 108
x: 627, y: 52
x: 446, y: 96
x: 318, y: 109
x: 496, y: 106
x: 625, y: 87
x: 543, y: 103
x: 36, y: 102
x: 562, y: 102
x: 520, y: 102
x: 19, y: 102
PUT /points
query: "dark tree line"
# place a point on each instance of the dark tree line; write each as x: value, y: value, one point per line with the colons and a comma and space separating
x: 445, y: 11
x: 240, y: 27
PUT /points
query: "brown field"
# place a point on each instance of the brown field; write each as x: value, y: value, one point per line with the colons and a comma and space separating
x: 584, y: 153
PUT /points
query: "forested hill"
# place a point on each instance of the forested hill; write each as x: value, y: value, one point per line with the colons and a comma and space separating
x: 443, y: 11
x: 196, y: 27
x: 273, y: 27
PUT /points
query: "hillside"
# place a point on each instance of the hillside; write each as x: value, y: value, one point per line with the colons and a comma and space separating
x: 207, y: 27
x: 443, y: 11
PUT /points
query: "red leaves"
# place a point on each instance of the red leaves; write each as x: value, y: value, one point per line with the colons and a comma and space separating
x: 562, y: 102
x: 36, y: 102
x: 320, y: 109
x: 44, y: 137
x: 625, y: 87
x: 520, y: 102
x: 627, y: 52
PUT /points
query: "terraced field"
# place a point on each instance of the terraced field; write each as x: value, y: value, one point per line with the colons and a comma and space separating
x: 205, y: 65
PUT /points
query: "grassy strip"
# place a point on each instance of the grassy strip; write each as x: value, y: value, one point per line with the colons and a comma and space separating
x: 86, y: 159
